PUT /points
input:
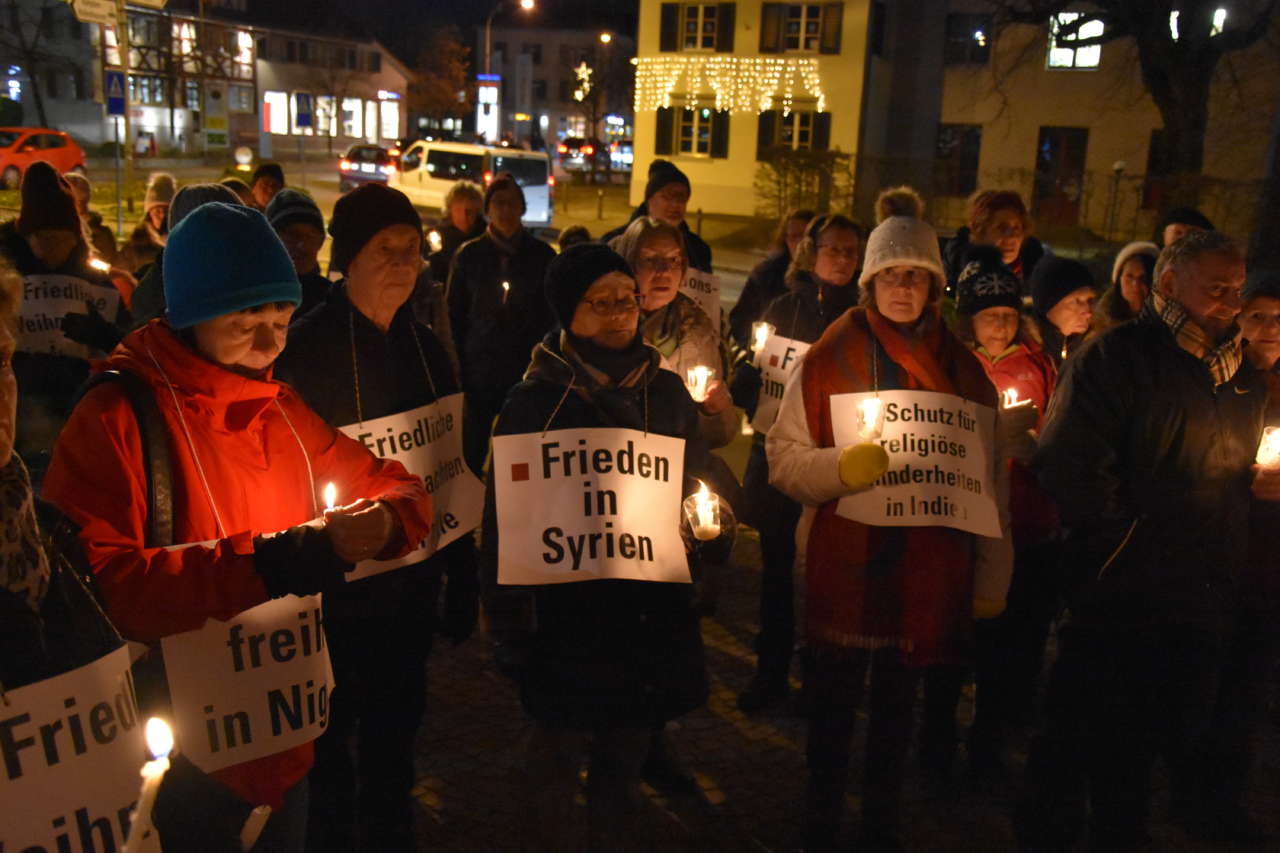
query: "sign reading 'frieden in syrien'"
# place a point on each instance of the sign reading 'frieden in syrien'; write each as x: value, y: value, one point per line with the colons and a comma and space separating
x: 940, y: 471
x: 587, y: 504
x: 254, y: 685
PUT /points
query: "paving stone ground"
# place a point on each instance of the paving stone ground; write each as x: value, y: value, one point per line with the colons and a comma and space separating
x: 750, y: 767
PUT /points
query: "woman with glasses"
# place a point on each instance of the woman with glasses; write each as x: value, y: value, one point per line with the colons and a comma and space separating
x: 599, y: 664
x: 673, y: 323
x: 894, y: 599
x: 821, y: 289
x: 996, y: 218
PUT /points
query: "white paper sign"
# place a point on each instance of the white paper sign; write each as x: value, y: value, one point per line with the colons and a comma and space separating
x: 777, y: 361
x: 72, y: 747
x: 252, y: 686
x: 939, y: 467
x: 46, y: 299
x: 585, y: 504
x: 704, y: 289
x: 428, y: 442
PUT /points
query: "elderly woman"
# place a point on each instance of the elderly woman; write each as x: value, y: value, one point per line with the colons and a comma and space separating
x: 896, y: 599
x: 673, y: 323
x: 599, y: 663
x: 49, y: 621
x: 996, y: 218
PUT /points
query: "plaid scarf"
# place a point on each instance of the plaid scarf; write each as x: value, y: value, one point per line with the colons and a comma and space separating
x: 1222, y: 360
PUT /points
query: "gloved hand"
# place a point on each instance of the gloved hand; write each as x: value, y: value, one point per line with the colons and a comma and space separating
x: 712, y: 550
x: 1013, y: 432
x: 92, y: 329
x: 862, y: 464
x: 299, y: 561
x: 461, y: 591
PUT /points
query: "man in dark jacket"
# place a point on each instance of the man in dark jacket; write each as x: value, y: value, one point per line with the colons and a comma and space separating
x: 666, y: 197
x: 360, y: 357
x: 496, y: 308
x: 1148, y: 449
x: 297, y: 221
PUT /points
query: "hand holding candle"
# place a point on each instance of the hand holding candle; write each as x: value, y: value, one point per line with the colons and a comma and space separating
x: 434, y: 240
x: 506, y: 291
x: 702, y: 511
x: 870, y: 418
x: 1010, y: 400
x: 330, y: 497
x: 160, y: 742
x: 697, y: 380
x: 1269, y: 448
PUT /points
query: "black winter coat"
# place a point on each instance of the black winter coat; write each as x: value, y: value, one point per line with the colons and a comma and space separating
x: 1150, y: 467
x: 317, y: 361
x: 494, y: 336
x: 600, y: 653
x: 698, y: 250
x: 451, y: 239
x: 765, y: 283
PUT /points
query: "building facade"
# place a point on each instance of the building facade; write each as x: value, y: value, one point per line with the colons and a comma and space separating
x: 541, y: 71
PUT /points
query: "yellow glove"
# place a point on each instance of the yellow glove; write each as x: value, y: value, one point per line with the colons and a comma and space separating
x: 862, y: 464
x: 986, y: 608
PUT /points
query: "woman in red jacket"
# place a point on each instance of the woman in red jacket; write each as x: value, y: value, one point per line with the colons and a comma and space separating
x: 248, y: 461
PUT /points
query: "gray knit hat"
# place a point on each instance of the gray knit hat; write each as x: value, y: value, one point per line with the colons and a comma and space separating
x: 902, y: 238
x: 289, y: 206
x: 193, y: 195
x: 1134, y: 249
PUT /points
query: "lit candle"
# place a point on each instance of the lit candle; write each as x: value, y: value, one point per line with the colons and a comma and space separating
x: 760, y: 333
x: 506, y: 291
x: 433, y: 240
x: 160, y: 742
x: 702, y: 508
x: 330, y: 497
x: 698, y: 378
x: 1010, y: 399
x: 253, y: 826
x: 871, y: 418
x: 1269, y: 449
x: 100, y: 265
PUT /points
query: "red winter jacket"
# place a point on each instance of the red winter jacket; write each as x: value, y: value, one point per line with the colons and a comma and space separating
x: 1028, y: 370
x: 248, y: 437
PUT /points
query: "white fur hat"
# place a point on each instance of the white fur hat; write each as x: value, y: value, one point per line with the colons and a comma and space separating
x: 1141, y: 247
x: 901, y: 238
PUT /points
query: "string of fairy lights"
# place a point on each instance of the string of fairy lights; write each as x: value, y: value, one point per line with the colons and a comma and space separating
x: 739, y: 84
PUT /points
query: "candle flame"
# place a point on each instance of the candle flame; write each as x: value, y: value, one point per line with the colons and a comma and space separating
x: 698, y: 379
x: 159, y: 737
x: 1011, y: 400
x: 1269, y: 448
x: 760, y: 333
x: 870, y: 408
x: 506, y: 286
x: 703, y: 493
x: 330, y: 496
x: 434, y: 240
x: 100, y: 265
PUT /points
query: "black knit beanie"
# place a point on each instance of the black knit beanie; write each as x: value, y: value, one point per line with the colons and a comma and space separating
x: 572, y: 272
x: 1054, y: 278
x: 661, y: 173
x: 1186, y: 216
x: 985, y: 282
x: 362, y: 213
x: 1262, y: 283
x: 503, y: 181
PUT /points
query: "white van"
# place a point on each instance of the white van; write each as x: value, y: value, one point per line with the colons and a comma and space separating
x: 429, y: 169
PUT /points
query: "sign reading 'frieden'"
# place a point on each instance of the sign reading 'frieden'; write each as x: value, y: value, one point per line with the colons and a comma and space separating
x: 254, y: 685
x: 940, y: 470
x: 587, y: 504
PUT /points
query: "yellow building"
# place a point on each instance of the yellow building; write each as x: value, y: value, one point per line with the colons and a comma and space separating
x: 719, y: 83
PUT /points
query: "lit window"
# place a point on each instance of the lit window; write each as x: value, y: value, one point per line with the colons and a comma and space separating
x: 1219, y: 22
x: 803, y: 27
x: 352, y: 117
x: 275, y: 112
x: 698, y: 26
x: 1063, y: 56
x: 390, y: 119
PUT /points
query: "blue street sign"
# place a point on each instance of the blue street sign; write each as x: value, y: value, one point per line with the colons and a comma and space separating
x: 113, y: 87
x: 303, y: 106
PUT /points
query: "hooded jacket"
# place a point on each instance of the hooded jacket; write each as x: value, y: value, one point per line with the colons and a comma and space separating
x: 248, y: 457
x: 604, y: 652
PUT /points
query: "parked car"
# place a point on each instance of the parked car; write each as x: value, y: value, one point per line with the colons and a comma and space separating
x: 429, y: 168
x: 577, y: 154
x: 362, y: 164
x: 22, y: 146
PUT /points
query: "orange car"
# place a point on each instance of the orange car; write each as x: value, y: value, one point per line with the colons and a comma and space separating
x: 22, y: 146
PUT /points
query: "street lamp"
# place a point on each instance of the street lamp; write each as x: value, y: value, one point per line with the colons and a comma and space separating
x: 527, y: 5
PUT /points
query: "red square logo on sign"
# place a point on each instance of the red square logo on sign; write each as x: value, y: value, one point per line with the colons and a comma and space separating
x: 773, y: 360
x: 519, y: 472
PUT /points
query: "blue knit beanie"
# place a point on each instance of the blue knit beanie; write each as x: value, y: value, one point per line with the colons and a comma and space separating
x: 222, y: 259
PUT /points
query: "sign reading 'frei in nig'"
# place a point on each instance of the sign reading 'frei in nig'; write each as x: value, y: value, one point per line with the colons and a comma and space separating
x: 72, y: 746
x: 939, y: 468
x: 587, y: 504
x: 777, y: 361
x: 428, y: 442
x: 252, y: 686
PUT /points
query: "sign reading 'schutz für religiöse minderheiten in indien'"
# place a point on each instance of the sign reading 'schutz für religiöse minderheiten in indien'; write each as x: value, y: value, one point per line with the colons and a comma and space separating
x: 588, y: 504
x: 940, y: 471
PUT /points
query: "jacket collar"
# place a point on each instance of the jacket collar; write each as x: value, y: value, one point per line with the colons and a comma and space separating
x: 156, y: 354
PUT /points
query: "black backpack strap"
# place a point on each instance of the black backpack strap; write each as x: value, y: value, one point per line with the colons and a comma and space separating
x: 156, y: 460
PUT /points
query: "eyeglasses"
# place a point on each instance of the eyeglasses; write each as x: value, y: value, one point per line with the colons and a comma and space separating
x: 659, y: 264
x: 846, y: 253
x: 609, y: 307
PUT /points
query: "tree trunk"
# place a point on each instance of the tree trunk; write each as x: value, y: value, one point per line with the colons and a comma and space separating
x: 1180, y: 87
x: 1264, y: 250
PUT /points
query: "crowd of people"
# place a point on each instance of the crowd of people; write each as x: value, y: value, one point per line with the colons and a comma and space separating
x: 171, y: 409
